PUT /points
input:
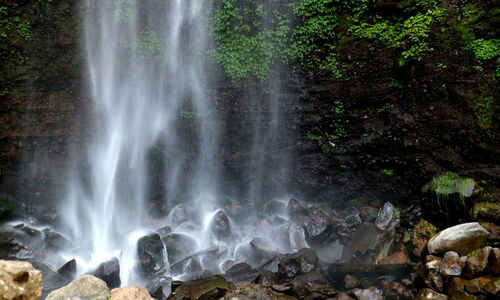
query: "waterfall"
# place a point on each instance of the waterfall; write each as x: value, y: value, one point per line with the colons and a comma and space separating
x: 146, y: 77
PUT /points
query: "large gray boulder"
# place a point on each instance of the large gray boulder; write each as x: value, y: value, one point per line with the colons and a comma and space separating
x: 86, y: 287
x: 19, y: 280
x: 461, y: 238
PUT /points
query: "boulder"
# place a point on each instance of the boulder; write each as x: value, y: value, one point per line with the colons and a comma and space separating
x: 109, y: 271
x: 457, y: 290
x: 343, y: 296
x: 494, y: 261
x: 86, y: 287
x: 422, y: 232
x: 242, y: 272
x: 130, y: 293
x: 159, y: 287
x: 452, y: 264
x: 19, y: 280
x: 371, y: 293
x: 351, y: 282
x: 428, y: 294
x: 178, y: 215
x: 263, y: 249
x: 68, y: 270
x: 493, y: 287
x: 51, y: 279
x: 397, y: 258
x: 179, y: 246
x: 274, y: 207
x: 489, y: 211
x: 301, y: 262
x: 151, y: 254
x: 164, y: 231
x: 493, y: 232
x: 205, y: 288
x: 476, y: 285
x: 330, y: 252
x: 364, y: 241
x: 368, y: 213
x: 387, y: 218
x: 296, y: 210
x: 296, y: 237
x: 461, y: 238
x: 317, y: 226
x: 477, y: 262
x: 433, y: 277
x: 190, y: 266
x: 395, y: 290
x: 221, y: 226
x: 21, y: 242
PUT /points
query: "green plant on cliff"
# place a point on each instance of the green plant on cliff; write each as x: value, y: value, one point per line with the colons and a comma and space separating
x: 484, y: 108
x: 485, y: 49
x: 451, y: 183
x: 250, y: 38
x: 12, y: 27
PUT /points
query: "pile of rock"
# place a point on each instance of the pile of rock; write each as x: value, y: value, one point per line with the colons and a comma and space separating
x: 460, y: 265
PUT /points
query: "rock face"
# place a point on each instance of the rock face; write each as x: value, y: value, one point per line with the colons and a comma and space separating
x: 86, y: 287
x: 461, y: 238
x: 301, y: 262
x: 130, y: 293
x: 109, y: 271
x: 151, y: 253
x: 19, y: 280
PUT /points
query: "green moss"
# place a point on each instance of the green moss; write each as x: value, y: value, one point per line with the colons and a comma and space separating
x: 388, y: 172
x: 450, y: 183
x: 483, y: 209
x: 485, y: 49
x: 484, y: 108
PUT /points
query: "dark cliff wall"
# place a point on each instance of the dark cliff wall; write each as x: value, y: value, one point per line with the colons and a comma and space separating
x: 381, y: 132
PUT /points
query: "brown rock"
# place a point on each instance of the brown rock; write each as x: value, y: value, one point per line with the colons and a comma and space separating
x: 19, y: 280
x: 395, y: 290
x: 351, y: 282
x: 456, y: 290
x: 486, y: 211
x: 421, y: 235
x: 477, y: 262
x: 130, y: 293
x: 397, y: 258
x: 428, y: 294
x: 494, y: 261
x: 433, y: 277
x: 343, y: 296
x: 476, y: 285
x: 493, y: 287
x: 493, y: 232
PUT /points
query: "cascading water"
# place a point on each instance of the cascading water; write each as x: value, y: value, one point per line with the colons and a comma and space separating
x: 156, y: 143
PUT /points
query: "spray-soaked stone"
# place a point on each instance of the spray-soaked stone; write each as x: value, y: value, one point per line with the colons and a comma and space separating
x: 220, y: 226
x: 164, y: 231
x: 190, y: 266
x: 242, y: 272
x: 68, y: 270
x: 179, y: 246
x: 317, y: 225
x: 387, y: 218
x: 51, y: 279
x: 296, y: 210
x: 296, y: 237
x: 151, y: 254
x: 109, y: 271
x: 160, y: 287
x: 263, y: 248
x: 301, y: 262
x: 274, y: 207
x: 178, y: 215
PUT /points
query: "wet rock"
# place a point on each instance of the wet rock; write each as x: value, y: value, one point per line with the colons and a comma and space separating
x: 164, y: 231
x: 397, y: 291
x: 311, y: 283
x: 364, y: 240
x: 429, y: 294
x: 489, y: 211
x: 21, y: 242
x: 273, y: 264
x: 68, y: 270
x: 130, y: 293
x: 267, y: 278
x: 56, y: 241
x: 477, y: 262
x: 109, y: 272
x: 263, y: 248
x: 353, y: 220
x: 493, y: 232
x: 351, y: 282
x: 395, y: 259
x: 387, y: 218
x: 461, y: 238
x: 190, y: 266
x: 296, y: 210
x: 86, y: 287
x: 301, y: 262
x: 205, y: 288
x: 421, y: 234
x: 178, y: 215
x: 275, y: 207
x: 368, y: 213
x: 330, y: 252
x: 159, y: 287
x: 151, y: 254
x: 371, y: 293
x: 296, y: 237
x: 220, y: 226
x: 317, y: 226
x: 452, y: 264
x: 179, y: 246
x: 19, y: 280
x: 493, y: 287
x: 51, y: 279
x: 242, y: 272
x: 494, y: 261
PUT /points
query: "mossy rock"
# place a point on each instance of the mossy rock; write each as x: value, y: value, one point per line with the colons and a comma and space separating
x: 486, y: 211
x: 450, y: 183
x: 422, y: 232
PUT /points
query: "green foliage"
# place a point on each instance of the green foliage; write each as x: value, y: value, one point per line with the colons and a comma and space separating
x: 485, y: 49
x: 249, y: 38
x: 388, y: 172
x: 386, y: 107
x: 450, y: 183
x: 484, y: 109
x: 12, y: 27
x: 410, y: 35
